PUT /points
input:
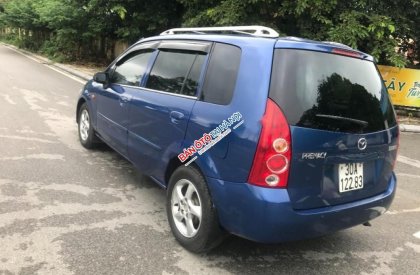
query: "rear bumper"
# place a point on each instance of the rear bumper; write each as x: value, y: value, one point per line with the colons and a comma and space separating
x: 266, y: 215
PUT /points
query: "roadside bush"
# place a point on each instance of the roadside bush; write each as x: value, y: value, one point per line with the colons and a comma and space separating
x: 87, y: 29
x: 50, y: 49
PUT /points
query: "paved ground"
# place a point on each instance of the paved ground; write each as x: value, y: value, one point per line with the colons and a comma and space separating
x: 65, y: 210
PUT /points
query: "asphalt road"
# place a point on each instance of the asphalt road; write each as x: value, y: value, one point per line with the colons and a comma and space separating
x: 66, y: 210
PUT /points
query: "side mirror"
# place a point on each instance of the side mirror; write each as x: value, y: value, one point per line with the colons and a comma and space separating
x: 101, y: 77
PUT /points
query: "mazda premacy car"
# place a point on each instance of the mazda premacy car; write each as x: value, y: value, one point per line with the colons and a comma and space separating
x: 268, y: 138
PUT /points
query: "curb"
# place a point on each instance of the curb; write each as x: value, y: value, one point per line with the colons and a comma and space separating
x: 410, y: 128
x: 44, y: 60
x: 71, y: 71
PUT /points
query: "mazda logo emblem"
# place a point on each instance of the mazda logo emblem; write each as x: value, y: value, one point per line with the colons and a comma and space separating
x: 362, y: 143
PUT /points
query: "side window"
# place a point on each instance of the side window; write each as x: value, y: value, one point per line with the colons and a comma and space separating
x: 221, y: 74
x: 176, y: 72
x: 131, y: 69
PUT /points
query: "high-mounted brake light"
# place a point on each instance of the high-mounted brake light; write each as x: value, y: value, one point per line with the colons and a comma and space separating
x: 347, y: 53
x: 272, y: 159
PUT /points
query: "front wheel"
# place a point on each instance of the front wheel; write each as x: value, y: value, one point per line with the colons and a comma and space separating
x: 87, y: 135
x: 191, y: 215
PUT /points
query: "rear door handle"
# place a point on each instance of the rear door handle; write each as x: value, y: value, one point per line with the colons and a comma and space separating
x: 125, y: 99
x: 176, y: 116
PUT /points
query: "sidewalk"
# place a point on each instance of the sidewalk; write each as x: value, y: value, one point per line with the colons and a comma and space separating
x: 82, y: 72
x: 410, y: 128
x: 409, y: 124
x: 86, y: 74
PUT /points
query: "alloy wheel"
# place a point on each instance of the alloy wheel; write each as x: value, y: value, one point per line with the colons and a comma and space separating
x: 186, y: 208
x: 84, y: 125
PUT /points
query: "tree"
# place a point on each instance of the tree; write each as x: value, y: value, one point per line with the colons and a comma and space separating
x: 375, y: 27
x: 80, y: 29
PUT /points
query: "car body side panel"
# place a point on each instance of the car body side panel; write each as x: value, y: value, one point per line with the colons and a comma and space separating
x: 232, y: 157
x: 154, y: 136
x: 112, y: 115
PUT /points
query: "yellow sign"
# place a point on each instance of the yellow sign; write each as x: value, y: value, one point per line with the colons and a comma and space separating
x: 403, y: 85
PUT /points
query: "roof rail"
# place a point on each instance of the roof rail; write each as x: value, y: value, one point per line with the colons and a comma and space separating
x: 259, y: 31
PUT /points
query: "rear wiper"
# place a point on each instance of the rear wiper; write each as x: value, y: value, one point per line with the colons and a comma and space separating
x: 357, y: 121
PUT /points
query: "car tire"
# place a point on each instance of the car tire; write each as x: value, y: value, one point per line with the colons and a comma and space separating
x: 188, y: 198
x: 87, y: 135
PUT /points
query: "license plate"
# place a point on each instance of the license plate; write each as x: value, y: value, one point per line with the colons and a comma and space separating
x: 350, y: 176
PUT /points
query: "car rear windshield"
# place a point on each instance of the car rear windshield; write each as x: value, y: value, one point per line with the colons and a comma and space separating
x: 330, y: 92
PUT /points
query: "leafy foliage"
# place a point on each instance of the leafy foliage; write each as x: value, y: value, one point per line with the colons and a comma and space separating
x: 83, y: 29
x: 78, y: 29
x: 374, y: 26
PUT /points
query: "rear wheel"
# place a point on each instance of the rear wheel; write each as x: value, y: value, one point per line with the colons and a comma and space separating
x: 191, y: 215
x: 87, y: 135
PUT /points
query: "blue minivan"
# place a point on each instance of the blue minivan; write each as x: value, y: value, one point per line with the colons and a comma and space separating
x: 271, y: 139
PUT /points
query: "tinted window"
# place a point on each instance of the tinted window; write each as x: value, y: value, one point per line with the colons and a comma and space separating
x: 176, y: 72
x: 221, y: 74
x: 330, y: 92
x: 132, y: 69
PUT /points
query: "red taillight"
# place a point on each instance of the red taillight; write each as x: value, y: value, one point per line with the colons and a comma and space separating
x: 272, y: 158
x: 347, y: 53
x: 277, y: 164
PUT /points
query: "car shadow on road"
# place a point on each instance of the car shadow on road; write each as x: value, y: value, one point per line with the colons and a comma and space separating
x: 237, y: 245
x: 313, y: 256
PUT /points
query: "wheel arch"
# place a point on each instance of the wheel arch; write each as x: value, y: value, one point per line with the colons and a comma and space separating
x: 79, y: 105
x: 174, y: 164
